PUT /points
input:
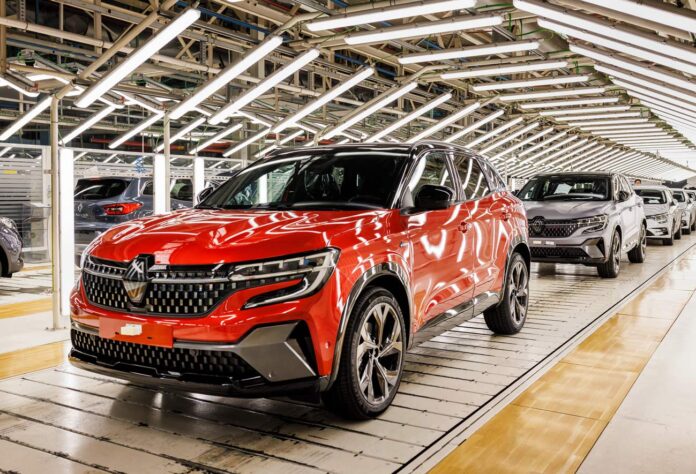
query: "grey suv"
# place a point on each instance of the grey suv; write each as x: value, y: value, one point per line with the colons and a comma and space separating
x: 10, y: 248
x: 586, y: 218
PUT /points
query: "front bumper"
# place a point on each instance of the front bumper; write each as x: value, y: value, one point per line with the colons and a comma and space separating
x: 658, y: 230
x: 589, y: 251
x: 270, y: 360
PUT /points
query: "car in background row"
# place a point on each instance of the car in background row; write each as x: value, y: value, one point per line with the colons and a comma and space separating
x: 662, y: 213
x: 10, y: 248
x: 312, y: 270
x: 688, y: 208
x: 101, y: 203
x: 586, y: 218
x: 692, y: 196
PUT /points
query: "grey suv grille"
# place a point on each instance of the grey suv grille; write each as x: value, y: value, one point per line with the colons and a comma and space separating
x: 552, y: 228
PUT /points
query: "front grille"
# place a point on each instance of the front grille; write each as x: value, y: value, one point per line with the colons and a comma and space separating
x: 553, y: 228
x: 189, y: 363
x: 558, y: 252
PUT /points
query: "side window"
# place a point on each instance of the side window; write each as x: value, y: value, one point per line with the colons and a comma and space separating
x: 625, y: 186
x: 494, y: 179
x: 616, y: 185
x: 147, y: 189
x: 430, y: 169
x: 182, y: 189
x: 474, y: 182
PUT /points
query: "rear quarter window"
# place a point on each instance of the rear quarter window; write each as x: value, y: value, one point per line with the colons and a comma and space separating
x: 98, y: 188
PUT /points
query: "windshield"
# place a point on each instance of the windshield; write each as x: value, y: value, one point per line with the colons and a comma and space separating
x: 338, y: 179
x: 679, y: 196
x: 566, y: 188
x: 652, y: 196
x: 99, y: 188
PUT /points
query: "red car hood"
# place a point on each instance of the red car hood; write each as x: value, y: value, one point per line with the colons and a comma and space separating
x: 211, y: 236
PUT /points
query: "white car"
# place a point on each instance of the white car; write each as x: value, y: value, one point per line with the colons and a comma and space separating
x: 687, y: 208
x: 662, y: 213
x: 691, y: 194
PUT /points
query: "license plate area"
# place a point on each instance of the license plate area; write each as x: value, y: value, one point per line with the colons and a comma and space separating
x: 136, y: 332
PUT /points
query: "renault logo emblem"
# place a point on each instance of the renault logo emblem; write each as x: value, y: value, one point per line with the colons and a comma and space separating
x: 536, y: 226
x: 136, y: 278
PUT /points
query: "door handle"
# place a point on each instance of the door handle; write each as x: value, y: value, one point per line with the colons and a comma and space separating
x: 463, y: 227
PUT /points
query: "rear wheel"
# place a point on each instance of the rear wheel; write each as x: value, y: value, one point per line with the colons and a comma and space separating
x: 372, y: 358
x: 511, y: 313
x: 612, y: 267
x: 637, y: 253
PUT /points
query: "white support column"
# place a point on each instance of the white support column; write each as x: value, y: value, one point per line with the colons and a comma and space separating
x: 66, y: 238
x: 55, y: 218
x: 160, y: 184
x: 167, y: 164
x: 198, y: 177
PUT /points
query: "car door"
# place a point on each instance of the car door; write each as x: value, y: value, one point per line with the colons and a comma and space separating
x: 624, y: 218
x: 435, y: 242
x: 633, y: 219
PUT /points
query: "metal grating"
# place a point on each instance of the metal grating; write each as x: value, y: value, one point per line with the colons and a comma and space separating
x: 557, y: 252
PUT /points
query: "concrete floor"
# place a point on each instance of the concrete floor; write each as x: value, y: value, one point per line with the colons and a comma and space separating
x: 72, y: 420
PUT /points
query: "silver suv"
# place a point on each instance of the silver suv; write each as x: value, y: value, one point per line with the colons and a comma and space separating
x: 663, y: 214
x: 686, y: 205
x: 586, y: 218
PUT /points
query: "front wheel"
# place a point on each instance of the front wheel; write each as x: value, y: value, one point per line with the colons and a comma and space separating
x: 372, y: 358
x: 612, y: 267
x: 509, y: 315
x: 637, y: 253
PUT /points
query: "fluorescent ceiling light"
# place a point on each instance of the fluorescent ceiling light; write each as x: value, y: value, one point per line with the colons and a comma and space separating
x: 666, y: 14
x: 136, y: 130
x: 619, y: 46
x: 91, y: 120
x: 5, y: 150
x: 583, y: 152
x: 509, y: 138
x: 552, y: 93
x: 427, y: 107
x: 651, y: 104
x: 179, y: 134
x: 265, y: 85
x: 584, y: 110
x: 504, y: 69
x: 469, y: 51
x: 370, y: 108
x: 424, y: 29
x: 225, y: 76
x: 523, y: 143
x: 593, y: 123
x: 248, y: 141
x: 603, y: 27
x: 549, y: 149
x: 378, y: 15
x: 325, y: 98
x: 137, y: 57
x: 542, y: 81
x: 641, y: 93
x: 541, y: 144
x: 569, y: 151
x: 28, y: 116
x: 21, y: 90
x: 254, y: 118
x: 637, y: 126
x: 216, y: 138
x: 450, y: 119
x: 569, y: 103
x: 645, y: 82
x: 619, y: 135
x: 291, y: 137
x: 494, y: 132
x: 266, y: 150
x: 474, y: 126
x: 565, y: 118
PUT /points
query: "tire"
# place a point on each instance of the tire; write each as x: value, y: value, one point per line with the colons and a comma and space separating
x: 2, y: 265
x: 668, y: 241
x: 693, y: 226
x: 509, y: 315
x: 637, y: 253
x: 350, y: 398
x: 678, y: 234
x: 612, y: 267
x: 686, y: 230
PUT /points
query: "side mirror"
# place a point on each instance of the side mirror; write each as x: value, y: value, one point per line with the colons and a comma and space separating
x: 204, y: 194
x: 623, y: 195
x: 431, y: 197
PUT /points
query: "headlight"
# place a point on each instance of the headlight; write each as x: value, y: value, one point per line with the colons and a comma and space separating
x: 593, y: 224
x: 660, y: 218
x: 9, y: 223
x: 313, y: 270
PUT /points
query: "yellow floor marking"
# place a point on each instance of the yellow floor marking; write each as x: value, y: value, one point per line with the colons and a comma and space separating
x: 35, y: 358
x: 12, y: 310
x: 35, y: 268
x: 553, y: 424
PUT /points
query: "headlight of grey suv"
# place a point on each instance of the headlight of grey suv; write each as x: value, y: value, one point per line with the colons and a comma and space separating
x: 312, y: 270
x: 592, y: 224
x: 660, y: 218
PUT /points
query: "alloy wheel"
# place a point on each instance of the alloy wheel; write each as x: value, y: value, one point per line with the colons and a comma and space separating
x: 617, y: 252
x: 379, y: 353
x: 643, y: 240
x: 519, y: 291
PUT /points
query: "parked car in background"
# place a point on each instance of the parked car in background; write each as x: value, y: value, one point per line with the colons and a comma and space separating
x: 686, y: 205
x: 586, y: 218
x: 10, y: 248
x: 311, y: 271
x: 101, y: 203
x: 692, y: 197
x: 662, y: 213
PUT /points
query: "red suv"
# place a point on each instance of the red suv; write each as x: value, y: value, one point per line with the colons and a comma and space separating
x: 311, y: 270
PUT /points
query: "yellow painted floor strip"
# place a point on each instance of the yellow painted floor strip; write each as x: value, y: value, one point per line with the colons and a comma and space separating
x: 30, y: 360
x: 552, y: 425
x: 13, y: 310
x: 35, y: 268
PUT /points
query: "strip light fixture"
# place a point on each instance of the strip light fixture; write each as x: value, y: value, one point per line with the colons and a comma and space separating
x: 469, y: 51
x: 504, y: 69
x: 548, y: 141
x: 523, y: 143
x: 427, y: 107
x: 566, y: 118
x: 137, y: 57
x: 642, y: 93
x: 666, y: 108
x: 584, y: 157
x: 639, y: 80
x: 28, y: 116
x: 509, y: 138
x: 582, y: 152
x: 592, y: 38
x: 568, y: 151
x: 585, y: 110
x: 370, y: 108
x: 543, y: 81
x: 181, y: 133
x: 225, y: 76
x: 592, y: 123
x: 450, y: 119
x: 136, y: 130
x: 494, y: 132
x: 636, y: 126
x: 551, y: 148
x: 569, y: 103
x: 247, y: 142
x: 627, y: 35
x: 325, y: 98
x: 5, y: 150
x: 378, y: 15
x: 21, y: 90
x: 216, y: 138
x: 423, y: 29
x: 291, y: 137
x: 552, y: 93
x: 666, y: 14
x: 474, y: 126
x: 265, y: 85
x: 91, y: 120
